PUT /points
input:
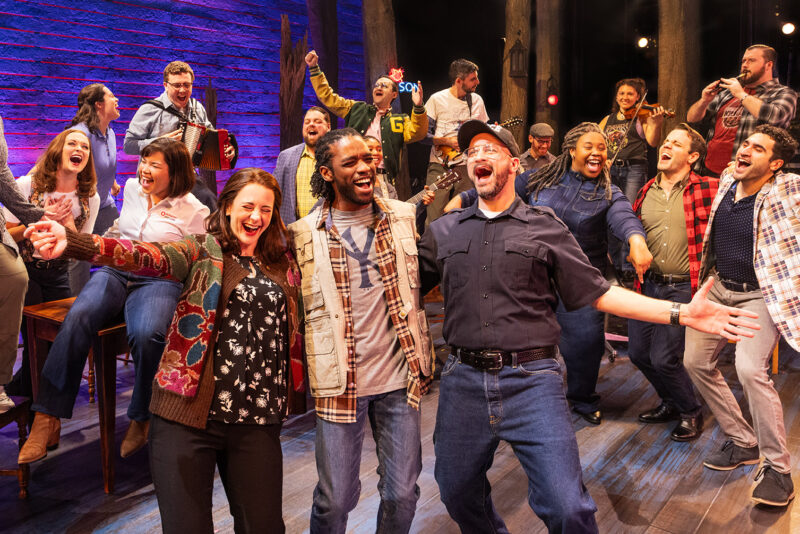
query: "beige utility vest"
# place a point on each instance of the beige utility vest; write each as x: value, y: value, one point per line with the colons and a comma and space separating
x: 323, y: 315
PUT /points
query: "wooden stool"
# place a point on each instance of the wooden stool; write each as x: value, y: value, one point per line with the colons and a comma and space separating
x: 18, y: 414
x: 44, y: 321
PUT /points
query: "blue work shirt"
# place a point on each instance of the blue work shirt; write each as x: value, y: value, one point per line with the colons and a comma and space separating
x: 501, y: 278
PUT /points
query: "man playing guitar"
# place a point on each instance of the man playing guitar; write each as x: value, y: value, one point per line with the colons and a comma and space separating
x: 447, y: 110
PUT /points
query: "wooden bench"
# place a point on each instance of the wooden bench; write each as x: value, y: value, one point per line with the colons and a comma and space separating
x: 18, y: 414
x: 44, y: 321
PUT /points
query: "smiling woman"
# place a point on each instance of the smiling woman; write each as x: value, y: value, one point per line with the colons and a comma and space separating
x: 219, y: 397
x: 63, y: 181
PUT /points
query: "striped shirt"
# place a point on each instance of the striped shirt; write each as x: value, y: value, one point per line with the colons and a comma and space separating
x: 305, y: 168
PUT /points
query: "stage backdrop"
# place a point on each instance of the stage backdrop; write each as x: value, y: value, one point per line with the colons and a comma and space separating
x: 50, y: 49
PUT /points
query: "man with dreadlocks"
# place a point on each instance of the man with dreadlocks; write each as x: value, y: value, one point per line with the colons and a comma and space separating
x: 367, y: 343
x: 503, y: 265
x: 577, y: 187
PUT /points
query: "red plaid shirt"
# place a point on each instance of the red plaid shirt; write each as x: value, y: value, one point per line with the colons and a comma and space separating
x: 342, y: 408
x: 697, y: 199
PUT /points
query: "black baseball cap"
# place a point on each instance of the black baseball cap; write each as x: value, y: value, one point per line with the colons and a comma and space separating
x: 474, y: 127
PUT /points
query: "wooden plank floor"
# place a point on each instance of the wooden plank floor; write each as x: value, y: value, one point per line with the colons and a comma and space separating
x: 641, y: 481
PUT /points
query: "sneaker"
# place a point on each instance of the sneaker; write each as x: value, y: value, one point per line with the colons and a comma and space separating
x: 773, y: 488
x: 5, y: 401
x: 731, y: 456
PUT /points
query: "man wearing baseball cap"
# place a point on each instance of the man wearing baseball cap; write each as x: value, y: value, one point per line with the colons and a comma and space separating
x: 503, y: 265
x: 538, y: 155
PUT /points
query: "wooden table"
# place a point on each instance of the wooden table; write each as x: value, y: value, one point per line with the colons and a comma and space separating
x: 18, y: 414
x: 44, y: 321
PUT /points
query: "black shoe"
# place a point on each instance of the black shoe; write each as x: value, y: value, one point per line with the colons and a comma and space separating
x: 773, y: 488
x: 595, y: 417
x: 662, y: 414
x: 731, y: 456
x: 688, y: 429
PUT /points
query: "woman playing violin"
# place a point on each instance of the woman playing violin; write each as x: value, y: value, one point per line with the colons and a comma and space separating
x: 630, y: 167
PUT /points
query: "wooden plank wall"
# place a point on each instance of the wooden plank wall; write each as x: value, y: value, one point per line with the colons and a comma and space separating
x: 50, y: 49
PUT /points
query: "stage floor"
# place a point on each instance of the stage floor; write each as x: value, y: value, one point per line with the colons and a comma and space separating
x: 641, y: 481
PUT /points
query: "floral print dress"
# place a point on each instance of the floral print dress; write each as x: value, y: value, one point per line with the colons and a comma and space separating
x: 251, y: 352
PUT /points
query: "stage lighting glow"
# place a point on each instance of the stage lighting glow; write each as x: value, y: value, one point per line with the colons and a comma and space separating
x: 788, y: 28
x: 642, y: 42
x: 552, y: 100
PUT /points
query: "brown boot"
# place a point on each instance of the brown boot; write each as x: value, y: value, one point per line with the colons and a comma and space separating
x: 135, y: 438
x: 45, y: 435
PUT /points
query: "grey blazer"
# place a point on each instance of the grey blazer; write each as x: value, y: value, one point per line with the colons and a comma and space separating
x: 11, y: 198
x: 285, y: 173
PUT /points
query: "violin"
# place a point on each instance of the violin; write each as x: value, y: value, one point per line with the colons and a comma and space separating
x: 645, y: 110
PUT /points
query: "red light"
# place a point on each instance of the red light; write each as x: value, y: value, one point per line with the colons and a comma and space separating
x: 552, y: 100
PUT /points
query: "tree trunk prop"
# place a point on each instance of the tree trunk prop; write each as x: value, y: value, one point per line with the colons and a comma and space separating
x: 293, y: 77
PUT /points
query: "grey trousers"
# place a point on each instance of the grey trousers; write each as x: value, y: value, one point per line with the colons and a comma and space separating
x: 13, y: 285
x: 752, y: 367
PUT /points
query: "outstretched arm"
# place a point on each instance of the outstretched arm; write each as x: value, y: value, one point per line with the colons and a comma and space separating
x: 700, y: 314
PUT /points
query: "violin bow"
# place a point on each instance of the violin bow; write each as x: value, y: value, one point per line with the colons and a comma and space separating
x: 628, y: 127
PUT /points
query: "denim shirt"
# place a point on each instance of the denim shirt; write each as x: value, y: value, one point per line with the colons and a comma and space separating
x: 588, y: 214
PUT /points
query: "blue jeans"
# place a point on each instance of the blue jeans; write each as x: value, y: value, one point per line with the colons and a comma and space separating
x: 523, y: 405
x: 657, y: 350
x: 630, y: 180
x: 148, y: 305
x: 396, y: 430
x: 582, y: 346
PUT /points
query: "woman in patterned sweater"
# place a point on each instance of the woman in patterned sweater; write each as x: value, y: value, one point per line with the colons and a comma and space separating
x: 222, y: 388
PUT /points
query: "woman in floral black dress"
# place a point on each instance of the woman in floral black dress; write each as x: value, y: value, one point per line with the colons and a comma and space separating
x: 222, y: 388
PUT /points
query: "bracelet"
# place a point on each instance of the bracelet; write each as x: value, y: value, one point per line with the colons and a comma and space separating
x: 675, y: 314
x: 744, y: 98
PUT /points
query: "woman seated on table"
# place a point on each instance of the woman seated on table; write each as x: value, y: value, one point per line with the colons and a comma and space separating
x: 159, y: 207
x: 63, y: 181
x: 222, y: 386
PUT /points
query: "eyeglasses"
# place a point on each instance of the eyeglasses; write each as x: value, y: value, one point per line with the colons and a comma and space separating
x: 544, y: 140
x: 491, y: 150
x: 383, y: 85
x: 186, y: 85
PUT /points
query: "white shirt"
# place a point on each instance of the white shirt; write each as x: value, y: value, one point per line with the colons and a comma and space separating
x: 24, y: 185
x: 450, y: 113
x: 169, y: 220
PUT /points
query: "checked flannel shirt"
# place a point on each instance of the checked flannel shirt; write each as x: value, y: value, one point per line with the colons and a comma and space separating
x: 776, y: 248
x: 342, y: 408
x: 698, y: 197
x: 778, y: 108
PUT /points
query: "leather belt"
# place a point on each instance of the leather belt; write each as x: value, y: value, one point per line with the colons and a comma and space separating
x: 626, y: 163
x: 741, y: 287
x: 494, y: 360
x: 668, y: 278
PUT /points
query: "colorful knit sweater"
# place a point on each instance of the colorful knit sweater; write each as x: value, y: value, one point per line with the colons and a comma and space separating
x: 184, y: 385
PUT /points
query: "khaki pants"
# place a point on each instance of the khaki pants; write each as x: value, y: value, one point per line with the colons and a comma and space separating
x: 13, y: 285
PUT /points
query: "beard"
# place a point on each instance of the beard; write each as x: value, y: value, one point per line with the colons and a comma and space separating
x: 754, y: 76
x: 490, y: 191
x: 349, y: 193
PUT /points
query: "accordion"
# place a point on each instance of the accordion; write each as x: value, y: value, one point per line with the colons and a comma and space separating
x: 207, y: 147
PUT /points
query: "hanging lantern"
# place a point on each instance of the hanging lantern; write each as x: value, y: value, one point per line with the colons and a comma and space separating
x: 517, y: 58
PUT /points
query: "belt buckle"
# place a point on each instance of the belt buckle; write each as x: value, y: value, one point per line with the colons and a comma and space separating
x: 497, y: 358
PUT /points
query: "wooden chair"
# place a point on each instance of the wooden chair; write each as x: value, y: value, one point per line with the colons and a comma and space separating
x: 44, y: 321
x: 18, y: 414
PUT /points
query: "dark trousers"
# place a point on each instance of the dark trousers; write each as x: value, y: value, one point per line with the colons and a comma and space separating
x: 657, y: 350
x: 250, y: 462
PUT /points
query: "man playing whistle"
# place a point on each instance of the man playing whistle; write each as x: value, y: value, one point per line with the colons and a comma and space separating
x: 733, y: 107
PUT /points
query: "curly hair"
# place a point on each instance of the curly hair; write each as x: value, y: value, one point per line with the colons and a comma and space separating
x: 44, y: 175
x: 550, y: 175
x: 272, y: 244
x: 319, y: 186
x: 87, y: 98
x: 785, y: 145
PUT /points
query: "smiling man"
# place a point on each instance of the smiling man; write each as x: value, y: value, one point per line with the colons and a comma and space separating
x: 750, y: 245
x: 674, y: 208
x: 376, y: 119
x: 540, y: 136
x: 733, y: 107
x: 367, y: 343
x: 502, y: 266
x: 295, y: 166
